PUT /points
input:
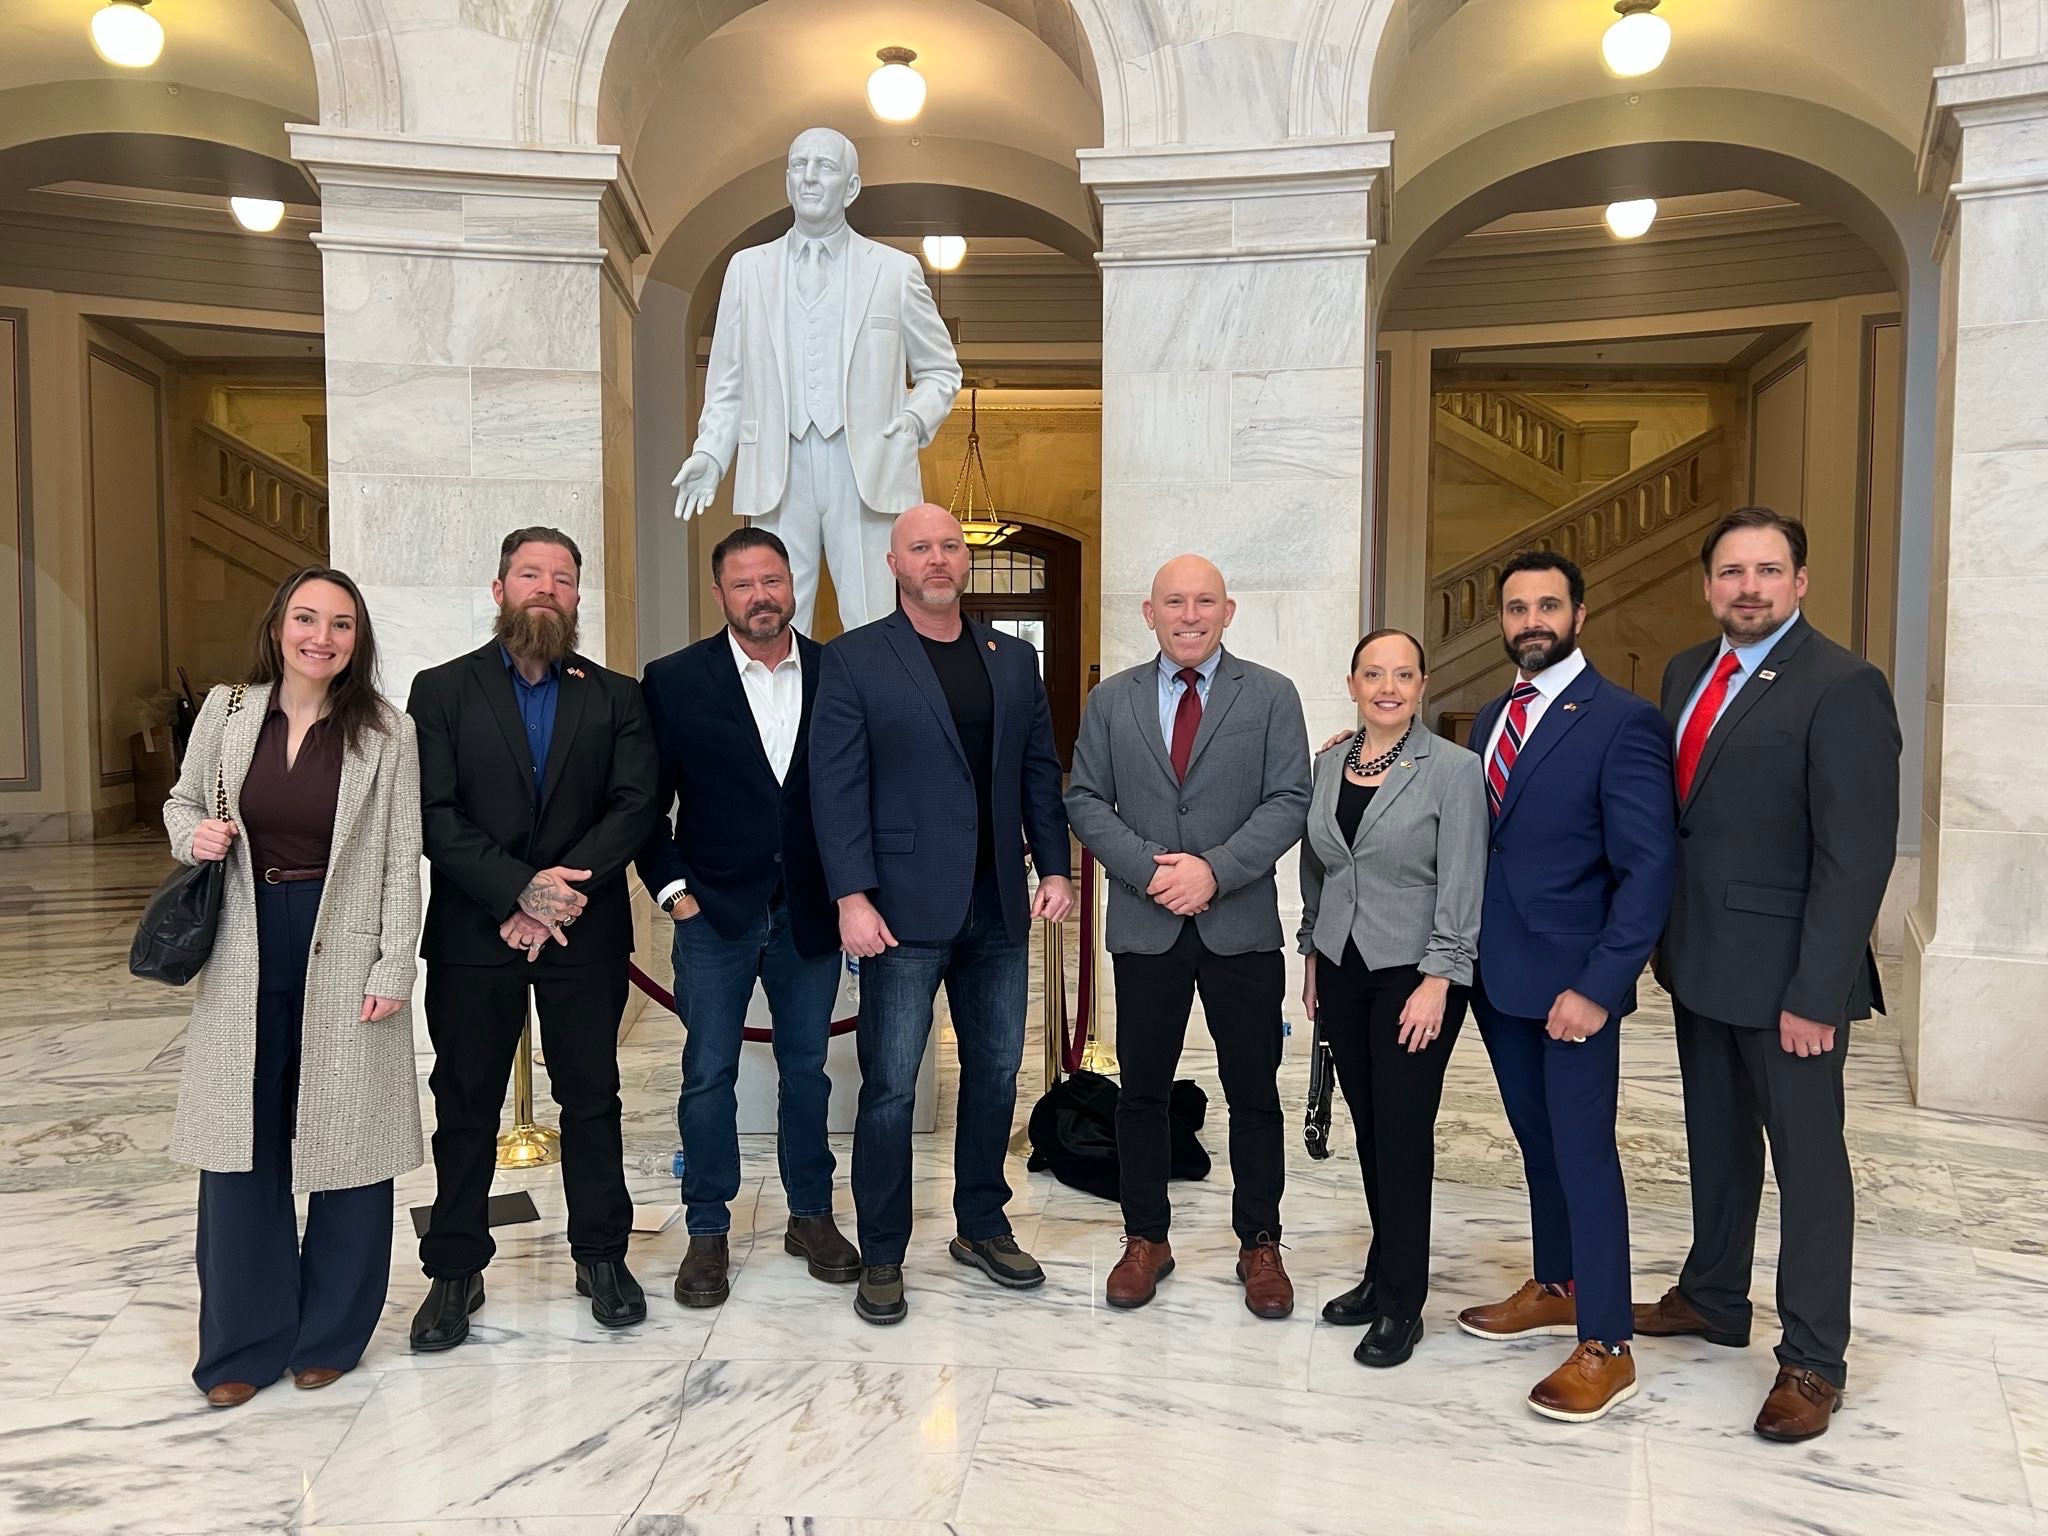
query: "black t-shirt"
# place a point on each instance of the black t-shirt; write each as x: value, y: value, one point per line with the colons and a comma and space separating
x: 971, y: 697
x: 1352, y: 800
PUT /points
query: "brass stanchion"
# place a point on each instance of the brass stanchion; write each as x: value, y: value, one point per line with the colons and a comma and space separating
x: 1100, y: 1055
x: 526, y: 1145
x: 1052, y: 1017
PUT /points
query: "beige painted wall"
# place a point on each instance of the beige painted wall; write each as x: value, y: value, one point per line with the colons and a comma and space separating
x: 286, y: 420
x: 17, y: 766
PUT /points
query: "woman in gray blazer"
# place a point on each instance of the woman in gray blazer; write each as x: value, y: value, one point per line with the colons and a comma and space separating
x: 1393, y: 867
x: 298, y: 1071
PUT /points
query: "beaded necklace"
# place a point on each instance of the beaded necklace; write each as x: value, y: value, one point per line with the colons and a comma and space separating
x: 1380, y: 764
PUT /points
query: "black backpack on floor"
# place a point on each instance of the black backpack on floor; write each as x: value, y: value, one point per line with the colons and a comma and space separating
x: 1073, y: 1133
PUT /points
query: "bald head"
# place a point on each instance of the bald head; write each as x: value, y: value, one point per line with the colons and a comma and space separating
x: 1189, y: 609
x: 822, y: 179
x: 929, y: 556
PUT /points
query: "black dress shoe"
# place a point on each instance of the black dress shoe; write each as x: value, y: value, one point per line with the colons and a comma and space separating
x: 818, y: 1241
x: 1389, y: 1341
x: 702, y: 1278
x: 442, y: 1321
x: 616, y: 1299
x: 1354, y: 1308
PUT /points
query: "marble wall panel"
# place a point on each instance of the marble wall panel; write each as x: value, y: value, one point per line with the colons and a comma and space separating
x: 2006, y: 280
x: 397, y: 418
x: 397, y: 213
x: 384, y: 308
x: 1994, y: 150
x: 444, y: 531
x: 536, y: 424
x: 1264, y: 534
x: 1169, y: 319
x: 1192, y: 224
x: 419, y: 627
x: 526, y: 314
x: 492, y: 219
x: 1993, y: 900
x: 1288, y: 424
x: 1300, y: 314
x: 1978, y: 1040
x: 1990, y: 768
x: 1998, y: 521
x: 1235, y: 89
x: 1987, y: 615
x: 1166, y: 427
x: 458, y: 83
x: 1999, y: 399
x: 1301, y: 219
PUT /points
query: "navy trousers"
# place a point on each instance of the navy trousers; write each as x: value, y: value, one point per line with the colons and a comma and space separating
x: 1560, y: 1098
x: 270, y: 1301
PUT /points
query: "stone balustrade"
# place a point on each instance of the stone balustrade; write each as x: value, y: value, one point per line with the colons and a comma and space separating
x: 263, y: 490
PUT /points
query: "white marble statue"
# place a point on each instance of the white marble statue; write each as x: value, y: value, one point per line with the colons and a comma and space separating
x: 815, y: 334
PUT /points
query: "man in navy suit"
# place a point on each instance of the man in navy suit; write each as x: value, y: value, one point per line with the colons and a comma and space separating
x: 738, y: 874
x: 1578, y: 882
x: 932, y: 767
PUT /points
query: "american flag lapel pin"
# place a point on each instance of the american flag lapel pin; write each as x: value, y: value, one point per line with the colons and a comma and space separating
x: 573, y: 671
x: 1767, y: 675
x: 991, y: 645
x: 1569, y: 708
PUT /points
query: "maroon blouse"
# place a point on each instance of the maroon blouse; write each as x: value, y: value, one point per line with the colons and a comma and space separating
x: 288, y: 813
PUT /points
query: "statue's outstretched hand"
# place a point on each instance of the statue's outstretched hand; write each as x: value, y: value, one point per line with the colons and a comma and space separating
x: 903, y: 421
x: 696, y: 483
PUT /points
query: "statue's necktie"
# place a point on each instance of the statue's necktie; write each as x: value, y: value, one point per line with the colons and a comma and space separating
x: 810, y: 272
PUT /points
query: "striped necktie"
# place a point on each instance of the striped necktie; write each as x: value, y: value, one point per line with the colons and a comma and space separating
x: 1509, y: 747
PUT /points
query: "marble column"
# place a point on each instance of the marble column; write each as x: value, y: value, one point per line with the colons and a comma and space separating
x: 1235, y: 353
x: 478, y: 339
x: 1977, y: 965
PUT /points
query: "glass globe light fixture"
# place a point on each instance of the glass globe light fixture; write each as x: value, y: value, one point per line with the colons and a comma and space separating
x: 1637, y: 43
x: 1629, y: 219
x: 258, y: 215
x: 123, y: 33
x: 895, y: 91
x: 944, y: 253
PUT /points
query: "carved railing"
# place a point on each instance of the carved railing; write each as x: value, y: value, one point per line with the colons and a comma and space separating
x: 1594, y: 528
x: 1533, y: 430
x: 262, y: 490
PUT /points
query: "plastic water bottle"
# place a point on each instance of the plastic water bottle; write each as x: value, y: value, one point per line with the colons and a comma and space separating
x: 676, y: 1164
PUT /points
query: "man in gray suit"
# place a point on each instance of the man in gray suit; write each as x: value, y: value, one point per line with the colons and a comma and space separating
x: 1788, y: 809
x: 1190, y: 781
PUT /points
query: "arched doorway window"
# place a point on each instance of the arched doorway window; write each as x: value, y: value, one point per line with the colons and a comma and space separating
x: 1029, y: 586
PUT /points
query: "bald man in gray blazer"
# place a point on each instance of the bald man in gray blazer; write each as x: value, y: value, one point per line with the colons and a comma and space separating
x: 1190, y: 781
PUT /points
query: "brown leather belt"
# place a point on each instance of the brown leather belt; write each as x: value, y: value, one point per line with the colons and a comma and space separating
x: 288, y: 876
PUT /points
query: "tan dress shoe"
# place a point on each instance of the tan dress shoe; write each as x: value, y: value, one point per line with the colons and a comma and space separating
x: 314, y: 1377
x: 1531, y: 1310
x: 1587, y: 1385
x: 230, y: 1394
x: 1671, y: 1316
x: 1799, y: 1407
x: 1267, y: 1290
x: 1135, y: 1280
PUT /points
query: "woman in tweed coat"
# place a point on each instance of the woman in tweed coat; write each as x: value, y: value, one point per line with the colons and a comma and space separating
x: 299, y: 1070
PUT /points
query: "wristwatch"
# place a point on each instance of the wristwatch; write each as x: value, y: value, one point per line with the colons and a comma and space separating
x: 669, y: 907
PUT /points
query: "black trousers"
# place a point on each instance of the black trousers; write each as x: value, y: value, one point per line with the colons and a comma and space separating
x: 269, y: 1301
x: 474, y: 1015
x: 1241, y: 995
x: 1393, y: 1094
x: 1740, y: 1086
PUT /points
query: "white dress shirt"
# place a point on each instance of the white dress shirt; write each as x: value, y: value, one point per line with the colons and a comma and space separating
x: 1550, y: 682
x: 776, y: 699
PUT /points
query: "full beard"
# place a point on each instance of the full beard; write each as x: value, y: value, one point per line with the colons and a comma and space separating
x: 1533, y: 656
x: 536, y: 633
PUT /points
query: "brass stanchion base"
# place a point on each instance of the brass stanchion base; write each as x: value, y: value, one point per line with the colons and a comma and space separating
x: 1099, y: 1058
x: 529, y: 1146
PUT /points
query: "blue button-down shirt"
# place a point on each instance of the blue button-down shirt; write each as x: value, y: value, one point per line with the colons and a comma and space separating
x: 1748, y: 658
x: 537, y: 713
x: 1171, y: 688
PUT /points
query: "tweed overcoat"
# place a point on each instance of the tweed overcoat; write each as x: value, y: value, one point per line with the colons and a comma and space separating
x: 359, y: 1111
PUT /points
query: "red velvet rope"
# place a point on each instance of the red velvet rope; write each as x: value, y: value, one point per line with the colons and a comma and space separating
x: 1072, y: 1046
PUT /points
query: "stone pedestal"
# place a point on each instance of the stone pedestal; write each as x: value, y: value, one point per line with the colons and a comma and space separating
x: 1977, y: 939
x: 1236, y: 338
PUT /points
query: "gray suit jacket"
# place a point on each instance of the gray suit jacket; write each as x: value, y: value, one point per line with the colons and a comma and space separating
x: 1408, y: 888
x: 1241, y: 808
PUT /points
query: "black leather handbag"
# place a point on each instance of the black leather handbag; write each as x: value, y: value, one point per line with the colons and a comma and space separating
x: 174, y: 940
x: 1322, y: 1071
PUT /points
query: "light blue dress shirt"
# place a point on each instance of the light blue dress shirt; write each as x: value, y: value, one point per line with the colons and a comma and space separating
x: 1171, y: 688
x: 1748, y: 659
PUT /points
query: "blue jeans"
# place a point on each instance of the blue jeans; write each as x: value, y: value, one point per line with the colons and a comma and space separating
x: 986, y: 974
x: 714, y: 982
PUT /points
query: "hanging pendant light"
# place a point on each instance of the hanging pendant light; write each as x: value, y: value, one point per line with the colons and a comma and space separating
x: 1627, y: 220
x: 944, y: 253
x: 895, y: 91
x: 124, y: 33
x: 258, y: 215
x: 1637, y: 43
x: 980, y: 524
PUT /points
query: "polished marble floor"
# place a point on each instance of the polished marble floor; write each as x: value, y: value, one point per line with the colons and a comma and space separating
x: 986, y: 1413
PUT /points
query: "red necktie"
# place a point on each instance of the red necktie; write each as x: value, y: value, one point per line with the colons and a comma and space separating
x: 1509, y: 747
x: 1699, y: 725
x: 1187, y: 719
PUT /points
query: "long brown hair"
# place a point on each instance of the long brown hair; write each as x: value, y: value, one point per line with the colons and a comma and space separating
x: 353, y: 702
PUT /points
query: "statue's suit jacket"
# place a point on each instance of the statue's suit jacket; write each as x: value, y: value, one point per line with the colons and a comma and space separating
x: 891, y: 328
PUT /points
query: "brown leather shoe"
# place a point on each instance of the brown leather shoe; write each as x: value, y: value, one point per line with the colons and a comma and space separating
x: 1587, y: 1385
x: 1799, y: 1407
x: 1136, y: 1277
x: 1267, y: 1290
x: 818, y: 1241
x: 314, y: 1377
x: 1672, y: 1316
x: 230, y: 1394
x: 701, y: 1277
x: 1531, y: 1310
